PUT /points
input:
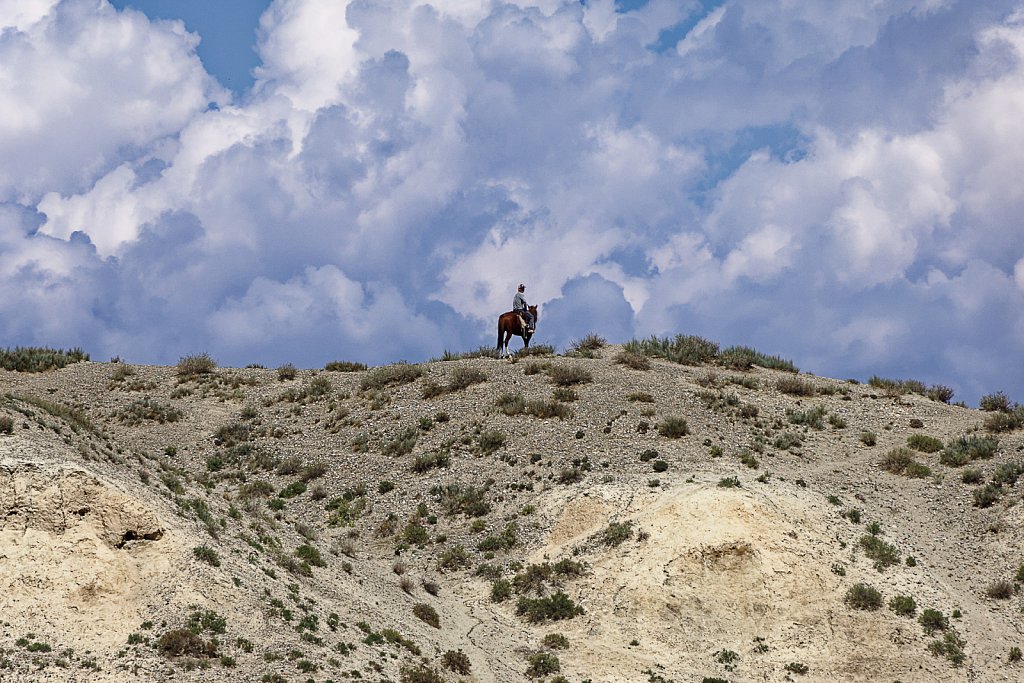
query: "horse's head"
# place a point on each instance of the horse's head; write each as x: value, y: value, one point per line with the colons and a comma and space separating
x: 533, y: 310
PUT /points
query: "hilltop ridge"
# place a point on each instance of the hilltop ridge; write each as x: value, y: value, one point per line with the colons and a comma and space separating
x: 602, y: 515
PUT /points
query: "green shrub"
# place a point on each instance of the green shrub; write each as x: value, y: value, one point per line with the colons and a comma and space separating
x: 190, y: 367
x: 797, y: 668
x: 933, y: 620
x: 1015, y: 655
x: 673, y: 427
x: 639, y: 397
x: 903, y: 605
x: 390, y: 375
x: 453, y: 559
x: 924, y: 443
x: 552, y: 608
x: 430, y: 460
x: 511, y: 404
x: 548, y: 409
x: 863, y: 597
x: 564, y: 395
x: 457, y: 661
x: 501, y: 590
x: 6, y: 424
x: 591, y: 342
x: 182, y: 642
x: 965, y: 449
x: 812, y: 417
x: 541, y: 664
x: 788, y: 440
x: 1000, y: 590
x: 490, y: 441
x: 568, y: 375
x: 987, y: 495
x: 884, y: 554
x: 682, y: 349
x: 556, y: 641
x: 615, y: 534
x: 344, y: 366
x: 207, y: 555
x: 421, y: 673
x: 403, y: 443
x: 1007, y: 473
x: 149, y: 409
x: 794, y: 386
x: 39, y: 359
x: 901, y: 461
x: 633, y: 360
x: 286, y: 372
x: 311, y: 555
x: 296, y: 488
x: 729, y: 483
x: 868, y: 438
x: 1005, y: 422
x: 997, y: 402
x: 972, y: 476
x: 426, y: 614
x: 951, y: 647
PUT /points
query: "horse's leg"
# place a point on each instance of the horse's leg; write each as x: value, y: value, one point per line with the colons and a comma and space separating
x: 499, y: 339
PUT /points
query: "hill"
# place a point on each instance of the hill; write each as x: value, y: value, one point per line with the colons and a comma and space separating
x: 600, y: 515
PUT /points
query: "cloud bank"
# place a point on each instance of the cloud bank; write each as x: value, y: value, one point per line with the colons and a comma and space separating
x: 833, y: 183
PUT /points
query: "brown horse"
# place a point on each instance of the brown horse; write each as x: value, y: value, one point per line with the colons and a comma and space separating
x: 511, y: 324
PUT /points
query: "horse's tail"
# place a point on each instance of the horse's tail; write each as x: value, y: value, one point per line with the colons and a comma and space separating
x: 499, y: 334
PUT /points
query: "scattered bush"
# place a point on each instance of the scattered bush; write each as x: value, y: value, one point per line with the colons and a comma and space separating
x: 552, y: 608
x: 633, y: 360
x: 951, y: 647
x: 182, y: 642
x: 884, y: 554
x: 682, y: 349
x: 812, y: 417
x: 457, y: 661
x: 924, y: 443
x: 190, y: 367
x: 568, y: 375
x: 868, y: 438
x: 206, y: 554
x: 864, y: 597
x: 1005, y: 422
x: 426, y: 614
x: 460, y: 379
x: 6, y: 424
x: 541, y: 664
x: 147, y: 409
x: 729, y: 483
x: 965, y: 449
x: 490, y: 441
x: 591, y: 342
x: 421, y: 673
x: 501, y: 590
x: 453, y: 559
x: 933, y: 620
x: 615, y: 534
x: 403, y: 443
x: 997, y: 402
x: 286, y: 372
x: 987, y: 495
x: 794, y: 386
x: 430, y: 460
x: 903, y: 605
x: 344, y: 366
x: 390, y: 375
x: 1000, y: 590
x: 556, y: 641
x: 901, y: 461
x: 39, y: 359
x: 673, y: 427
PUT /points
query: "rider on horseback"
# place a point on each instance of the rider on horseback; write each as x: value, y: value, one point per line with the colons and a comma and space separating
x: 520, y: 307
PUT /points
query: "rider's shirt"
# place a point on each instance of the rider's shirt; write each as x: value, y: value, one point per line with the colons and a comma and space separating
x: 519, y: 303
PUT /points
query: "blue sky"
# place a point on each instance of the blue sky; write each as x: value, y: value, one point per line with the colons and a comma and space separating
x: 309, y: 180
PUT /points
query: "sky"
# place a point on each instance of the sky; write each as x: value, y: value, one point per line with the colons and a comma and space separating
x: 312, y: 180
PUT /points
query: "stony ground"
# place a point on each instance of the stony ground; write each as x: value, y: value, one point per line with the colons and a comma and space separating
x: 237, y: 525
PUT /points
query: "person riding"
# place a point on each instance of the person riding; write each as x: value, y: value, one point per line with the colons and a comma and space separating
x: 520, y: 307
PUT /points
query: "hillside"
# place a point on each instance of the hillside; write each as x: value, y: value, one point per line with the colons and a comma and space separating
x: 560, y: 518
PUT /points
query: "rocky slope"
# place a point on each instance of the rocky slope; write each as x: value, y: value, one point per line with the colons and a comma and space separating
x: 484, y: 520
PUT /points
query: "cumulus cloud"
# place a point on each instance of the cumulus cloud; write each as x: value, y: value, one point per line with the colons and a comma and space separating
x: 835, y: 184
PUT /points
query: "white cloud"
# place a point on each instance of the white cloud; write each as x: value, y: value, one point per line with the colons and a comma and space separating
x: 82, y: 85
x: 400, y: 166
